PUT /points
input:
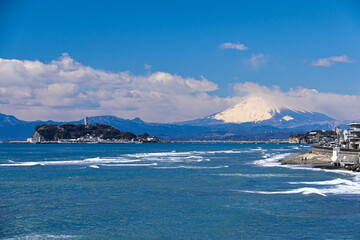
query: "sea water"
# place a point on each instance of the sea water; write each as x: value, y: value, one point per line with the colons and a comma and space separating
x: 172, y: 191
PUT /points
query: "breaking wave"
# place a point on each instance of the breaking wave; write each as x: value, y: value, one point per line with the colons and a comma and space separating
x: 272, y: 161
x: 142, y: 159
x: 194, y: 167
x: 41, y: 237
x: 338, y: 186
x: 305, y: 191
x: 88, y: 161
x: 93, y: 166
x: 130, y: 165
x: 266, y: 175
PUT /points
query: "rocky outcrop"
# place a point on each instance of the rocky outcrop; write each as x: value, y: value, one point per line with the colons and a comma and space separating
x: 308, y: 158
x: 298, y: 139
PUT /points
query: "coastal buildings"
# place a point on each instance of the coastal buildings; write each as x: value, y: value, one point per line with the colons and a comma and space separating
x: 347, y: 152
x: 315, y: 137
x: 342, y: 146
x: 352, y: 136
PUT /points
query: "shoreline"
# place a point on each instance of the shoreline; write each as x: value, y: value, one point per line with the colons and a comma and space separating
x: 307, y: 158
x: 161, y: 141
x: 317, y: 160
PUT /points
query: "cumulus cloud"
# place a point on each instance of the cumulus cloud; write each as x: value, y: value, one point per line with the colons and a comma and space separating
x: 333, y: 104
x: 330, y: 61
x: 64, y: 89
x: 237, y: 46
x: 257, y: 60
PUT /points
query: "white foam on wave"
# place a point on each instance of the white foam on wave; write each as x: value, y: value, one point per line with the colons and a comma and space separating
x: 272, y: 161
x: 158, y: 154
x: 305, y: 191
x: 24, y: 164
x: 41, y: 237
x: 221, y: 151
x: 335, y: 187
x: 336, y: 181
x: 130, y: 165
x: 174, y: 159
x: 87, y: 161
x: 109, y: 160
x: 182, y: 154
x: 275, y: 162
x: 194, y: 167
x: 173, y: 156
x: 93, y: 166
x: 253, y: 175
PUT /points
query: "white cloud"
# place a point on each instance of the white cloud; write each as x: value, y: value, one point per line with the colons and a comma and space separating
x: 257, y: 60
x: 237, y: 46
x: 330, y: 61
x: 334, y: 105
x: 64, y: 89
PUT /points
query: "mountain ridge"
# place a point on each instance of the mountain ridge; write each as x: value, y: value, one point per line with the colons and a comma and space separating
x: 253, y: 118
x: 19, y: 130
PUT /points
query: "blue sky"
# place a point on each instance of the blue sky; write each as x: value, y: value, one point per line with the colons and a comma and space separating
x: 284, y: 39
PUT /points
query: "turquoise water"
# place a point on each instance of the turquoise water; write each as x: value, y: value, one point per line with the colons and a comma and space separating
x: 172, y: 191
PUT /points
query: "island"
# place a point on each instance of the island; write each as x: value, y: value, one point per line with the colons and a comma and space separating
x: 86, y: 133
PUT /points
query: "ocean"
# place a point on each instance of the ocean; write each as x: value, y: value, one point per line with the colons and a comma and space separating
x: 172, y: 191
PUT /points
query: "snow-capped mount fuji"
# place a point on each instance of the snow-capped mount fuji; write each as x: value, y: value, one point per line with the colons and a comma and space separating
x: 257, y: 110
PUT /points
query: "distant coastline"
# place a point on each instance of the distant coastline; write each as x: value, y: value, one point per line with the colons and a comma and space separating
x: 161, y: 141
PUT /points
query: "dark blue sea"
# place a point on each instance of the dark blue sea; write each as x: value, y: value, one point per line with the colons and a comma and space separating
x: 172, y: 191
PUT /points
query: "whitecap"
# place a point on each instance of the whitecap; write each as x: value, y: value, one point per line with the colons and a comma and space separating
x: 336, y: 186
x: 41, y: 237
x: 194, y: 167
x: 305, y: 191
x: 272, y: 161
x: 87, y: 161
x: 253, y: 175
x: 93, y: 166
x: 23, y: 164
x: 336, y: 181
x: 158, y: 154
x: 130, y: 165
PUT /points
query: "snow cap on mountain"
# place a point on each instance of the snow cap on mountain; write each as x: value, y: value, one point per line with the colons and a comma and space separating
x: 251, y: 109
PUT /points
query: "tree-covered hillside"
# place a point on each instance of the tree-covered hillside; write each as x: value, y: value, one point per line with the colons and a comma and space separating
x: 53, y: 132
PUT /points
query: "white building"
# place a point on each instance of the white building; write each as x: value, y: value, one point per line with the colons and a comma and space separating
x: 352, y: 136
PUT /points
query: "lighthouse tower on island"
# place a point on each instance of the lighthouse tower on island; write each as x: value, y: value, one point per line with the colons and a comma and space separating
x: 86, y: 121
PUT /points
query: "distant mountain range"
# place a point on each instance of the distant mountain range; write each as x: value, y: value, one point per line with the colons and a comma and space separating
x: 252, y: 119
